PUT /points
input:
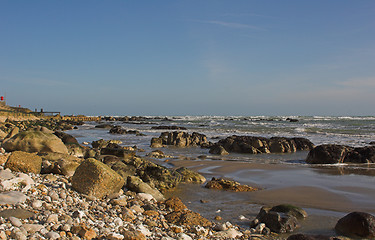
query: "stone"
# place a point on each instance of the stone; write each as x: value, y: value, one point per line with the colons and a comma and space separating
x: 35, y: 141
x: 228, y: 234
x: 60, y: 163
x: 297, y: 212
x: 18, y: 213
x: 133, y: 235
x: 25, y: 162
x: 175, y: 204
x: 327, y: 154
x: 228, y: 185
x: 357, y: 225
x: 53, y: 218
x: 12, y: 197
x: 189, y: 176
x: 180, y: 139
x: 15, y: 221
x: 53, y: 235
x: 137, y: 185
x: 32, y: 228
x: 277, y: 221
x: 94, y: 178
x: 256, y: 145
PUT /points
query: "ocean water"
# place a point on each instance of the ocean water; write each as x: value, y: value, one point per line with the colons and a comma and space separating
x: 327, y: 192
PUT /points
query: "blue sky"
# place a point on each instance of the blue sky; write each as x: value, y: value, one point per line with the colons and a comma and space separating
x: 212, y: 57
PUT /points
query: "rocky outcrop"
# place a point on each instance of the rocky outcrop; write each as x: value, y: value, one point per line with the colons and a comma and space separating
x: 94, y: 178
x: 281, y: 218
x: 101, y: 143
x: 180, y: 139
x: 24, y: 162
x: 35, y: 141
x: 332, y: 153
x: 228, y: 185
x: 255, y: 145
x: 357, y: 225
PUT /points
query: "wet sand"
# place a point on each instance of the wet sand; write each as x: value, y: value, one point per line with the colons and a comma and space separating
x: 326, y: 194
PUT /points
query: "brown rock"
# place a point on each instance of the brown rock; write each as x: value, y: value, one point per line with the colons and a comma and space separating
x: 133, y: 235
x: 187, y: 218
x: 175, y: 204
x: 224, y: 184
x: 357, y: 225
x: 24, y: 162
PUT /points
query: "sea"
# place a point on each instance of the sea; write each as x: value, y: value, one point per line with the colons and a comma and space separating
x: 326, y: 192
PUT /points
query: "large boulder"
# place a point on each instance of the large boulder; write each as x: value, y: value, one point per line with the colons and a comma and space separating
x: 35, y: 141
x: 332, y: 153
x: 94, y: 178
x: 255, y: 145
x: 24, y: 162
x: 357, y: 225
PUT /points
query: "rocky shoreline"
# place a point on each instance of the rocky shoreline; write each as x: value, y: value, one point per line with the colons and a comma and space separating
x: 54, y: 188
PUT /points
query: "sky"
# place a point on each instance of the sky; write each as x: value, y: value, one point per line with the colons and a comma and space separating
x: 189, y: 57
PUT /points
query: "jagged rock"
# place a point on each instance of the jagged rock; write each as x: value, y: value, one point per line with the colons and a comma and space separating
x: 94, y: 178
x: 175, y: 204
x: 255, y: 145
x: 357, y: 225
x: 35, y: 141
x: 224, y: 184
x: 180, y: 139
x: 137, y: 185
x: 189, y: 176
x: 278, y: 222
x: 59, y: 163
x: 187, y: 218
x: 332, y: 153
x: 104, y: 143
x: 24, y: 162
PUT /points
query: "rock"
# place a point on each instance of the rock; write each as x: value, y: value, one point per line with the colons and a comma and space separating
x: 105, y: 126
x: 297, y: 212
x: 327, y: 154
x: 255, y: 145
x: 15, y: 221
x: 180, y: 139
x: 301, y: 236
x: 137, y: 185
x: 96, y: 179
x: 12, y: 197
x: 62, y: 164
x: 278, y: 222
x: 24, y: 162
x: 157, y: 154
x: 175, y: 204
x: 2, y: 134
x: 35, y: 141
x: 32, y: 228
x: 13, y: 133
x: 53, y: 235
x: 357, y: 225
x: 189, y: 176
x: 133, y: 235
x: 145, y: 197
x: 331, y: 154
x: 3, y: 158
x: 18, y: 213
x: 224, y: 184
x: 228, y: 234
x: 104, y: 143
x: 66, y: 138
x: 121, y: 130
x: 218, y: 150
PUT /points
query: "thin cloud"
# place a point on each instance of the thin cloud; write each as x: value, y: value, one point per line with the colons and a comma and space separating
x: 359, y: 83
x: 231, y: 24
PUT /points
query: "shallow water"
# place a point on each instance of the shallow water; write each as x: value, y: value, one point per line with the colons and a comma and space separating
x: 326, y: 192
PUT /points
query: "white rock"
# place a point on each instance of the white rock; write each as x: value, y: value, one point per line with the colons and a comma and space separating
x: 145, y: 197
x: 183, y: 236
x: 53, y: 218
x: 144, y: 230
x: 15, y: 221
x: 230, y: 233
x: 36, y: 204
x: 53, y: 235
x: 260, y: 228
x: 3, y: 235
x: 118, y: 221
x: 6, y: 174
x: 32, y: 228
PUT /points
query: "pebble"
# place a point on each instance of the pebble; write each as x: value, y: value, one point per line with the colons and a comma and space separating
x: 15, y: 221
x: 53, y: 235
